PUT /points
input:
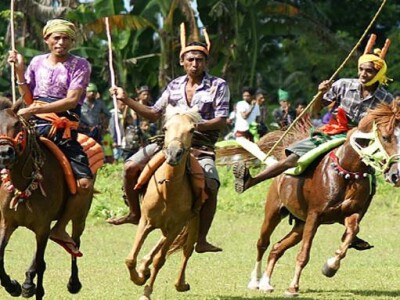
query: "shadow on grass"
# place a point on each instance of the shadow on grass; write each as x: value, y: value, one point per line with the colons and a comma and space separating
x: 364, y: 293
x: 259, y: 297
x: 317, y: 294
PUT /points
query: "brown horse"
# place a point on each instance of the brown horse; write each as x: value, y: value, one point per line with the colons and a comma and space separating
x: 28, y: 166
x: 169, y: 205
x: 337, y: 188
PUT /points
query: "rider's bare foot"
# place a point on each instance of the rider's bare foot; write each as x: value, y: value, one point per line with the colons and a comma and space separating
x: 206, y: 247
x: 129, y: 218
x: 242, y: 177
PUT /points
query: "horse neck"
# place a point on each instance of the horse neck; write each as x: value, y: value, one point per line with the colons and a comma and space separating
x: 349, y: 159
x: 22, y: 170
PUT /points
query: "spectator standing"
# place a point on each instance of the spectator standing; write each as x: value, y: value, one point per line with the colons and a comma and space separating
x: 247, y: 111
x: 284, y: 114
x: 93, y: 109
x: 262, y: 121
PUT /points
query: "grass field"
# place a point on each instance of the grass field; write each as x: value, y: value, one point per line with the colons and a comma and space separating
x: 371, y: 274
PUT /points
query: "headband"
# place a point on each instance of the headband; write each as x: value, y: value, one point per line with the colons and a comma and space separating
x: 377, y: 58
x: 60, y: 26
x: 184, y: 48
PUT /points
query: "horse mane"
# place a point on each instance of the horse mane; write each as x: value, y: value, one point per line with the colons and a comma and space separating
x: 384, y: 115
x: 192, y: 113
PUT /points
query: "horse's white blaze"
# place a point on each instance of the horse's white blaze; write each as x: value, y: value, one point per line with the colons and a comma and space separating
x: 265, y: 284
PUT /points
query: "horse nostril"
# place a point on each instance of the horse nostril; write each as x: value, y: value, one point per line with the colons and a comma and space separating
x: 394, y: 178
x: 179, y: 153
x: 10, y: 151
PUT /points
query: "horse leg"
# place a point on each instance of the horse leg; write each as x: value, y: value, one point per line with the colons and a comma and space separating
x: 78, y: 226
x: 277, y: 251
x: 180, y: 284
x: 141, y: 234
x: 144, y: 268
x: 272, y: 218
x: 310, y: 229
x: 159, y: 261
x: 12, y: 286
x: 352, y: 228
x: 37, y: 268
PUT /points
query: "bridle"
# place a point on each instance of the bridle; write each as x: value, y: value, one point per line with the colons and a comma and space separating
x: 374, y: 154
x: 175, y: 139
x: 18, y: 142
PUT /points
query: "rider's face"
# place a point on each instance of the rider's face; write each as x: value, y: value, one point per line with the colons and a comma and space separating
x: 59, y: 44
x: 366, y: 72
x: 194, y: 63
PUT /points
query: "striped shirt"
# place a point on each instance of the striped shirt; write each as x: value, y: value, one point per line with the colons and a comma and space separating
x: 347, y: 94
x: 211, y: 97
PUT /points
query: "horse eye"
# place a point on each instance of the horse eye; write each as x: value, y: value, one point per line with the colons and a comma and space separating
x: 18, y: 126
x: 386, y: 138
x: 192, y: 130
x: 164, y: 129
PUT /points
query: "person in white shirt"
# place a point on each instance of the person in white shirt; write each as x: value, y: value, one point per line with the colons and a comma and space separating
x: 247, y: 112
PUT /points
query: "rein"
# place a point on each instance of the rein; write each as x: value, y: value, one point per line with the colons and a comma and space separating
x: 165, y: 147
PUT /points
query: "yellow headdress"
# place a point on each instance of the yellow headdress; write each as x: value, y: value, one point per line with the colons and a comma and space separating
x: 184, y: 48
x: 377, y: 58
x: 60, y: 26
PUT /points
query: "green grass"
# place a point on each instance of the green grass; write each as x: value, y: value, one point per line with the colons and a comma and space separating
x: 370, y: 275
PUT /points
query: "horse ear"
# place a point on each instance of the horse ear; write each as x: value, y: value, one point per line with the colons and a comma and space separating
x: 18, y: 105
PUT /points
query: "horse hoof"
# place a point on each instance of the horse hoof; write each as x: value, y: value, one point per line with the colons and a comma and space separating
x: 328, y: 271
x: 74, y: 287
x: 14, y: 289
x: 253, y: 284
x: 28, y: 290
x: 183, y: 288
x: 291, y: 293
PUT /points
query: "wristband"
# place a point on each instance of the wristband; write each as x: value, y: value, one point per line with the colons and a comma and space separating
x: 21, y: 83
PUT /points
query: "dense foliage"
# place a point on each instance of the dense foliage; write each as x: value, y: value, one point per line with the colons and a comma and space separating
x: 290, y: 44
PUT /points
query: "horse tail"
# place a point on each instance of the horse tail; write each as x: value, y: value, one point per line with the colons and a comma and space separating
x: 232, y: 153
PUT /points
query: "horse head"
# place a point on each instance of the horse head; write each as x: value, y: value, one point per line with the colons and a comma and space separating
x: 12, y: 134
x: 380, y: 132
x: 178, y: 129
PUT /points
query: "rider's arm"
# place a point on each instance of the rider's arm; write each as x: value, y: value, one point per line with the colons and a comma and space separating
x: 317, y: 106
x: 141, y: 109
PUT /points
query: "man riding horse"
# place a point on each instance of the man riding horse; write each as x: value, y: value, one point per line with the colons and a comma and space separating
x: 351, y: 99
x: 53, y: 87
x: 211, y: 95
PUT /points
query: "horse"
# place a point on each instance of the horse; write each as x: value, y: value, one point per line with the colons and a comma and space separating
x: 337, y: 188
x: 168, y: 204
x: 33, y: 193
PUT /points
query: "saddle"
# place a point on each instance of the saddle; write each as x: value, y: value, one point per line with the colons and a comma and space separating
x: 305, y: 160
x: 92, y: 149
x: 194, y: 170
